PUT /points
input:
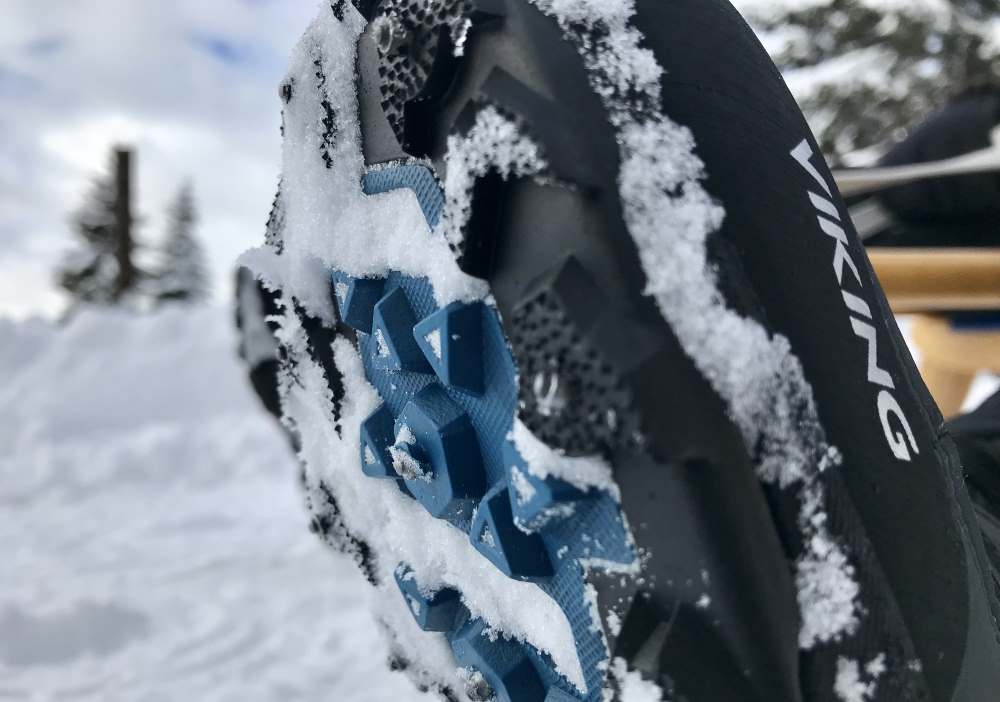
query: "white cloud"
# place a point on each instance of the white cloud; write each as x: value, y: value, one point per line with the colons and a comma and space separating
x: 192, y: 84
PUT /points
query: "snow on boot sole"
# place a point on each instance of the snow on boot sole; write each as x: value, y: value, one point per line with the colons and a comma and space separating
x: 569, y: 452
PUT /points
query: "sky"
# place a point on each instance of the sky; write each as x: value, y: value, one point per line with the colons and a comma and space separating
x: 191, y: 84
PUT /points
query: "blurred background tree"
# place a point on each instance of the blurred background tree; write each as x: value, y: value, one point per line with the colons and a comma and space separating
x: 182, y: 276
x: 102, y: 269
x: 88, y: 273
x: 865, y: 70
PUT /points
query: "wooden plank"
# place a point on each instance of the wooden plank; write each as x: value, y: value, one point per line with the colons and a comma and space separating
x: 938, y: 279
x: 950, y: 358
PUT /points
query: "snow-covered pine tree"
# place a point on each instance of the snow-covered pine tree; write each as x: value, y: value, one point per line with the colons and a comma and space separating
x: 182, y: 276
x: 864, y: 70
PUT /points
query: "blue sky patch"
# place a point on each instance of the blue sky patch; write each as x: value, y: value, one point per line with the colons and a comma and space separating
x: 222, y: 49
x: 14, y: 84
x: 46, y: 45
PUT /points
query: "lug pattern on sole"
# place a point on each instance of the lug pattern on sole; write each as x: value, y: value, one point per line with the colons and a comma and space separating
x: 452, y: 341
x: 536, y: 501
x: 494, y: 534
x: 573, y: 400
x: 356, y: 299
x: 448, y: 382
x: 511, y: 671
x: 392, y: 328
x: 436, y: 611
x: 438, y: 456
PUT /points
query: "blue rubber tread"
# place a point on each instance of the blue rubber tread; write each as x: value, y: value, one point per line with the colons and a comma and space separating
x: 597, y: 518
x: 411, y: 176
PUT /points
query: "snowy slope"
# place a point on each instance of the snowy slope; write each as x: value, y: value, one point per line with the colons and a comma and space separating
x: 155, y: 542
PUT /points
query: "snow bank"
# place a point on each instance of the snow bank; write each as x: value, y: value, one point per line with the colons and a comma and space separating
x: 155, y: 540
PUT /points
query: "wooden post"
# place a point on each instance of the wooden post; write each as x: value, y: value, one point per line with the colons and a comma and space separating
x: 123, y: 221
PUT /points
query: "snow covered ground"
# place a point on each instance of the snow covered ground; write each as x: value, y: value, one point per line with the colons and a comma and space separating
x: 155, y: 542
